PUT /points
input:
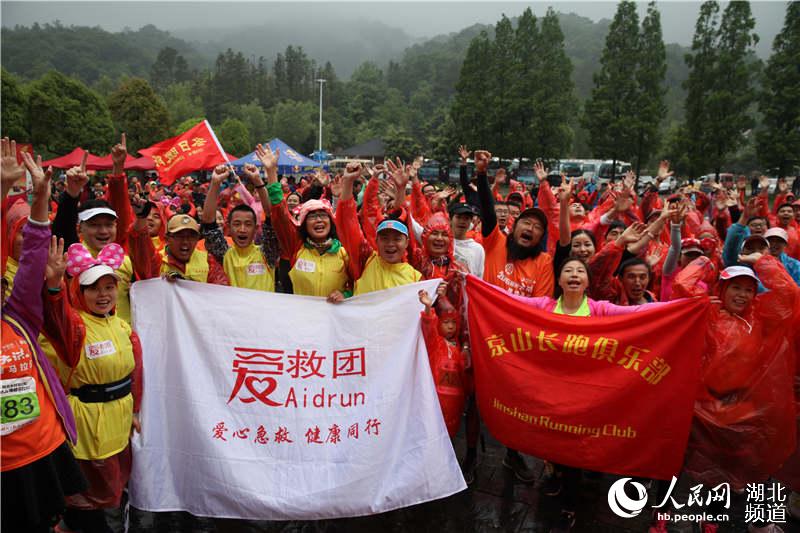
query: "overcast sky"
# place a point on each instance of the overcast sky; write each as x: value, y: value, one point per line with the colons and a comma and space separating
x: 418, y: 19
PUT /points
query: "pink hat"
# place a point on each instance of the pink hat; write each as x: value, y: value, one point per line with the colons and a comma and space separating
x: 777, y: 232
x: 314, y: 205
x: 89, y: 269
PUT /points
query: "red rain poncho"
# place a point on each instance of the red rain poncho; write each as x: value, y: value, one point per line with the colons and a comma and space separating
x: 744, y: 424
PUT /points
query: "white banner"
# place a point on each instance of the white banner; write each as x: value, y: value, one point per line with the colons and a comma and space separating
x: 275, y: 407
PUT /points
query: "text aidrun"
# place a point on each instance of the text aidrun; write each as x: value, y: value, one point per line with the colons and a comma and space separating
x: 322, y: 399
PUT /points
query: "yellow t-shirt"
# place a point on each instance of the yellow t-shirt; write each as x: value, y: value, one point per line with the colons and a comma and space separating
x: 247, y: 268
x: 379, y: 275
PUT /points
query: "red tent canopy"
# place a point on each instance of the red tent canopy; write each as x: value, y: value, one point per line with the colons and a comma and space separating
x: 74, y: 158
x: 141, y: 163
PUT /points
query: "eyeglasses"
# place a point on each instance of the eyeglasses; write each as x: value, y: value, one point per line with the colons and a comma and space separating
x: 319, y: 215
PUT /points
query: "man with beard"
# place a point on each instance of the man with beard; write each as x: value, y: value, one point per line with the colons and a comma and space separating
x: 516, y: 262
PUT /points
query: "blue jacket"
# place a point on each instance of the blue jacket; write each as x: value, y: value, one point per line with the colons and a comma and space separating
x: 736, y: 236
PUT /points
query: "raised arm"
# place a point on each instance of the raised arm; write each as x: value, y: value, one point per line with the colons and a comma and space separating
x: 347, y: 226
x: 65, y: 225
x: 470, y: 195
x: 216, y: 244
x: 25, y: 299
x: 10, y: 169
x: 564, y: 195
x: 485, y: 198
x: 118, y: 192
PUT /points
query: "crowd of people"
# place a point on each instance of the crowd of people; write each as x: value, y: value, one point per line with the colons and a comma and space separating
x: 71, y: 362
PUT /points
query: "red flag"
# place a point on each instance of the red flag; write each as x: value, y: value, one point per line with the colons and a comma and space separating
x: 24, y: 147
x: 196, y: 149
x: 611, y: 394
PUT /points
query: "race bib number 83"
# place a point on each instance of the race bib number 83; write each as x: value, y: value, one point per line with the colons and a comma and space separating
x: 19, y: 404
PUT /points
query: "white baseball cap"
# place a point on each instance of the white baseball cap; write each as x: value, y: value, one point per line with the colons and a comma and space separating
x: 777, y: 232
x: 85, y: 215
x: 737, y: 271
x: 90, y: 275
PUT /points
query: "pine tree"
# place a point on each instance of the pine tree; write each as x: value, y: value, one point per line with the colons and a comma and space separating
x: 503, y: 75
x: 555, y: 96
x: 734, y: 92
x: 471, y: 105
x: 650, y: 74
x: 779, y: 140
x: 609, y: 114
x: 720, y: 84
x: 526, y: 84
x: 700, y: 84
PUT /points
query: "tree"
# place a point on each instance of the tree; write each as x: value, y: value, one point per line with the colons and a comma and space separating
x: 650, y: 73
x: 609, y: 113
x: 720, y: 84
x: 527, y: 42
x: 471, y: 103
x: 734, y: 93
x: 181, y: 102
x: 295, y: 124
x: 253, y: 116
x: 65, y: 114
x: 188, y: 124
x: 779, y: 103
x: 502, y: 75
x: 700, y: 84
x: 140, y: 113
x: 398, y: 143
x: 14, y: 104
x: 555, y: 103
x: 234, y: 137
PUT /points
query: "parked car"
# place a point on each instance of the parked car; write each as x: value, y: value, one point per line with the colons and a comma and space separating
x: 527, y: 176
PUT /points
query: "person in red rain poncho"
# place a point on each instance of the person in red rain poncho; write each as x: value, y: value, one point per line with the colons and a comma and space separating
x: 441, y: 330
x: 435, y: 259
x: 744, y: 424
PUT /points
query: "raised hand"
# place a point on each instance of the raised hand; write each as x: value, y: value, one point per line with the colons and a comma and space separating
x: 56, y: 263
x: 540, y: 171
x: 482, y: 158
x: 220, y: 174
x: 119, y: 152
x: 623, y: 201
x: 782, y: 186
x: 399, y: 172
x: 424, y: 299
x: 463, y: 153
x: 77, y: 178
x: 565, y: 192
x: 251, y: 172
x: 39, y: 176
x: 336, y: 186
x: 10, y: 170
x: 632, y: 233
x: 268, y: 158
x: 663, y: 171
x: 629, y: 180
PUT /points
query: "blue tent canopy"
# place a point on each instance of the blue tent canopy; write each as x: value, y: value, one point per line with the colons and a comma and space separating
x: 288, y: 159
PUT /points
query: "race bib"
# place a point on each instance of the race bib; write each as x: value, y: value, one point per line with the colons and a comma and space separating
x: 304, y: 265
x: 100, y: 349
x: 19, y: 404
x: 256, y: 269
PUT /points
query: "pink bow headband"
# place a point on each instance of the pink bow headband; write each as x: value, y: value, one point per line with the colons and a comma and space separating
x: 173, y: 202
x: 79, y: 260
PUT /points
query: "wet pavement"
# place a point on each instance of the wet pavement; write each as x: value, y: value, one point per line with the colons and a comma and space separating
x: 495, y: 502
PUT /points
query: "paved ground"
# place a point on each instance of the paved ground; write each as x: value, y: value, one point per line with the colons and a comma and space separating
x: 494, y: 503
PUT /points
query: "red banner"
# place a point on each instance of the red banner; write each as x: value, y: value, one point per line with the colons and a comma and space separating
x: 196, y: 149
x: 611, y: 394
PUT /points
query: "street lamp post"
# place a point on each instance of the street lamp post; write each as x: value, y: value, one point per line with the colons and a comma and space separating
x: 321, y: 83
